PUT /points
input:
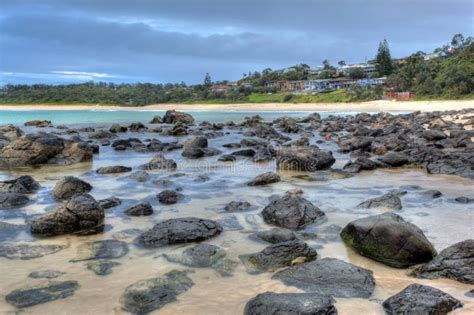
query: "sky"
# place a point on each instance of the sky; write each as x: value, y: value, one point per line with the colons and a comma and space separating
x: 159, y: 41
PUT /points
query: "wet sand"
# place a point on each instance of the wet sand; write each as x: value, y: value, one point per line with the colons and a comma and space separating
x: 355, y: 106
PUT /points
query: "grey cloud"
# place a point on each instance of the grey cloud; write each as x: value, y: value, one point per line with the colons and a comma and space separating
x: 125, y: 38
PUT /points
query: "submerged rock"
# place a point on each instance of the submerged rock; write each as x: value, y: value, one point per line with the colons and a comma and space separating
x: 113, y: 169
x: 141, y: 209
x: 12, y: 200
x: 40, y: 294
x: 169, y: 197
x: 329, y: 277
x: 46, y: 274
x: 291, y: 211
x: 181, y: 230
x: 388, y: 201
x: 27, y: 251
x: 265, y: 179
x: 388, y: 239
x: 420, y: 299
x: 304, y: 159
x: 237, y: 206
x: 107, y: 249
x: 111, y: 202
x: 455, y: 262
x: 275, y: 235
x: 102, y: 267
x: 10, y: 231
x: 152, y: 294
x: 202, y: 255
x: 70, y: 186
x: 21, y: 185
x: 82, y: 213
x: 290, y: 304
x: 277, y: 256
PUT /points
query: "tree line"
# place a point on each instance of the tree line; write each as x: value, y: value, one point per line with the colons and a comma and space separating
x: 451, y: 75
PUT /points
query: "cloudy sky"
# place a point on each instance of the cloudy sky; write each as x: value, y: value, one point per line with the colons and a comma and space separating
x: 59, y: 41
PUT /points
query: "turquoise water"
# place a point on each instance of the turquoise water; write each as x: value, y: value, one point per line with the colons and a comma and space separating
x: 59, y: 117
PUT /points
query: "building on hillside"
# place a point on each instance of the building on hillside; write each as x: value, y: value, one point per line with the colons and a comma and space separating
x: 323, y: 85
x: 220, y: 88
x: 368, y: 68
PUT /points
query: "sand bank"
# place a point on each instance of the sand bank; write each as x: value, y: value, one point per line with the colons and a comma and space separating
x: 360, y: 106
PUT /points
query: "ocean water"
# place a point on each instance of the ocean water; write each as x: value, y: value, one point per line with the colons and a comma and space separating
x: 67, y: 117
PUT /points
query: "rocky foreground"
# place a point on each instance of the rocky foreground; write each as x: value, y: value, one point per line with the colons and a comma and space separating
x: 438, y: 142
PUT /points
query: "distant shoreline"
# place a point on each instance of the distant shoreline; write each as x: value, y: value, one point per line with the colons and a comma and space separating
x: 353, y: 106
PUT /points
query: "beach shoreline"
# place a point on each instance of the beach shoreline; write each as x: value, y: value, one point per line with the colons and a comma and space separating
x: 353, y: 106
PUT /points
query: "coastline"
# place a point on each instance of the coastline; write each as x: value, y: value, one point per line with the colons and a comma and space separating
x: 382, y: 105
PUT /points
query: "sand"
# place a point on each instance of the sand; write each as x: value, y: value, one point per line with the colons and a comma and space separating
x: 361, y: 106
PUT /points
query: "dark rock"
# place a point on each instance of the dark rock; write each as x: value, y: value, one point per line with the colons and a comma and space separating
x: 156, y: 120
x: 434, y: 135
x: 46, y: 274
x: 275, y: 235
x: 388, y: 201
x: 455, y: 262
x: 80, y: 213
x: 290, y: 304
x: 152, y: 294
x: 137, y: 127
x: 244, y: 152
x: 389, y: 239
x: 237, y: 206
x: 43, y: 148
x: 69, y: 186
x: 329, y: 277
x: 159, y: 162
x: 116, y: 128
x: 106, y: 249
x: 394, y: 159
x: 292, y: 212
x: 169, y: 197
x: 141, y: 209
x: 113, y: 169
x: 27, y: 251
x: 21, y: 185
x: 181, y: 230
x: 102, y: 267
x: 277, y: 256
x: 360, y: 164
x: 264, y: 179
x: 110, y: 202
x: 420, y: 299
x: 40, y: 294
x: 173, y: 117
x: 304, y: 159
x: 12, y: 200
x: 199, y: 141
x: 38, y: 123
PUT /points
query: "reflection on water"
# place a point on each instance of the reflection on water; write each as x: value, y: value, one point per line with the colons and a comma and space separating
x: 443, y: 221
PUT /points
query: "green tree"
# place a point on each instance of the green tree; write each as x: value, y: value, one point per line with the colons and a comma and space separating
x: 383, y: 59
x: 207, y: 80
x: 341, y: 63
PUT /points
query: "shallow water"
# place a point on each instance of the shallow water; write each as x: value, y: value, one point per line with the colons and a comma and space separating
x: 443, y: 221
x: 59, y: 117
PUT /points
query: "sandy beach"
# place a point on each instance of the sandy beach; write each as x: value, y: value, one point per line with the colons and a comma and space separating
x: 362, y: 106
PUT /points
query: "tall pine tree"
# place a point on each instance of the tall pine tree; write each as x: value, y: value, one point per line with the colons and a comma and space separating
x: 383, y: 59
